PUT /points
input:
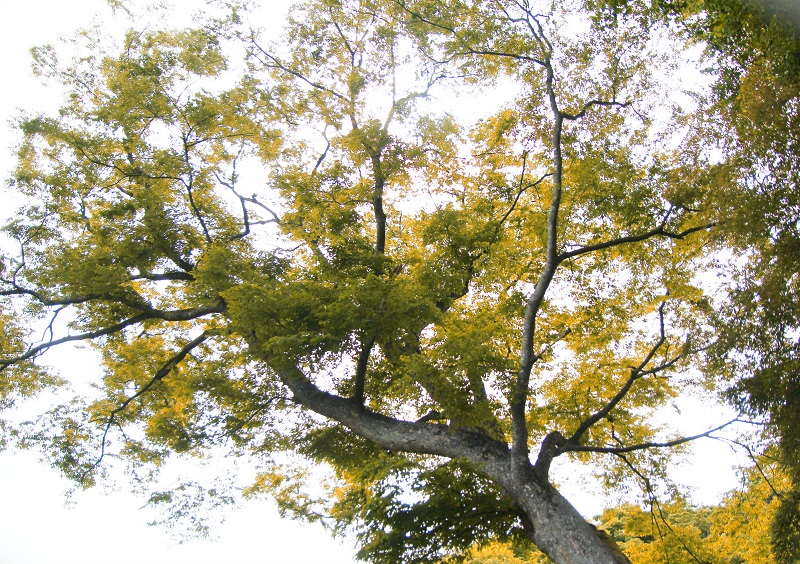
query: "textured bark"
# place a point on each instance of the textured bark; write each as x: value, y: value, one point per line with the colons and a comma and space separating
x: 558, y: 529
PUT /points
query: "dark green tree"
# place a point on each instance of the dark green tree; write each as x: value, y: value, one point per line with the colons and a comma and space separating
x: 757, y: 48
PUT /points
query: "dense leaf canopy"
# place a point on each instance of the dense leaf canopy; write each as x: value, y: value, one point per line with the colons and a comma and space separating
x: 433, y: 247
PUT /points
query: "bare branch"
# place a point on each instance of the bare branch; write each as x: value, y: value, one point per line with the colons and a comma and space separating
x: 189, y: 185
x: 635, y: 374
x: 571, y: 447
x: 251, y: 200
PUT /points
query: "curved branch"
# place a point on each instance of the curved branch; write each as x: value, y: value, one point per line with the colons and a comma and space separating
x: 189, y: 185
x: 396, y: 434
x: 636, y: 373
x: 590, y: 103
x: 276, y: 63
x: 522, y: 189
x: 519, y: 399
x: 18, y: 290
x: 162, y: 372
x: 33, y: 351
x: 570, y: 447
x: 252, y: 200
x: 658, y: 231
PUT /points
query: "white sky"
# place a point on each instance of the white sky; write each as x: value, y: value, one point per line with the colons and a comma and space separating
x: 35, y: 525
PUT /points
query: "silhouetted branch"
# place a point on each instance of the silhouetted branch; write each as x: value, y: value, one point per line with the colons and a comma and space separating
x: 165, y: 369
x: 570, y: 447
x: 168, y: 315
x: 635, y: 374
x: 659, y: 231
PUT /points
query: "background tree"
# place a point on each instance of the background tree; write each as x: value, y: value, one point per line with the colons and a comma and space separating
x: 414, y: 302
x: 753, y: 53
x: 735, y: 531
x: 758, y: 98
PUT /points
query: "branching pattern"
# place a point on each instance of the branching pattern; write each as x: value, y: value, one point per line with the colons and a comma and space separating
x: 398, y: 290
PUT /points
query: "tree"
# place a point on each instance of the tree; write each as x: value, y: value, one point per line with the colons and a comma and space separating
x: 754, y: 47
x: 758, y: 97
x: 414, y: 302
x: 735, y: 531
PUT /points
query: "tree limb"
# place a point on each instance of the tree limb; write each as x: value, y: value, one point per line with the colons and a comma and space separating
x: 162, y: 372
x: 635, y: 374
x: 168, y: 315
x: 276, y: 63
x: 395, y: 434
x: 361, y: 371
x: 658, y: 231
x: 571, y: 447
x: 590, y: 103
x: 519, y: 398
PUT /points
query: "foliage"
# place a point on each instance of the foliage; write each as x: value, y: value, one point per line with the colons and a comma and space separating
x: 754, y: 49
x: 504, y: 553
x: 735, y: 531
x: 409, y: 298
x: 758, y: 47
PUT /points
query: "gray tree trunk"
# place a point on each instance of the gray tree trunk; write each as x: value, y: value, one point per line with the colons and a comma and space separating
x: 558, y: 529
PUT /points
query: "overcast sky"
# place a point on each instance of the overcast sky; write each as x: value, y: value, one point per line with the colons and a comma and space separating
x: 35, y: 525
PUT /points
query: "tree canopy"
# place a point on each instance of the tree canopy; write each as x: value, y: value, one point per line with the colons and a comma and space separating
x: 432, y: 247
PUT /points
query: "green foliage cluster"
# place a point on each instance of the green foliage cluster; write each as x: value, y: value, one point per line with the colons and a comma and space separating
x: 753, y: 52
x: 757, y: 45
x: 433, y: 310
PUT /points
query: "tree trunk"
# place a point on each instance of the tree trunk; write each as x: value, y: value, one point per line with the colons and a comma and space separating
x: 558, y: 529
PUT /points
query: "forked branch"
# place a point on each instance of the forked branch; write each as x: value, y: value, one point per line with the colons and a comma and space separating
x: 164, y: 315
x: 635, y: 374
x: 278, y: 64
x: 571, y: 447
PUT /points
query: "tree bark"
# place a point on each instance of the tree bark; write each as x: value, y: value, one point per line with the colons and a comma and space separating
x: 558, y: 529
